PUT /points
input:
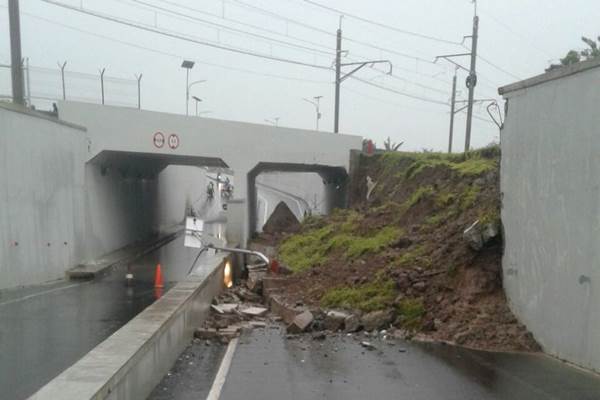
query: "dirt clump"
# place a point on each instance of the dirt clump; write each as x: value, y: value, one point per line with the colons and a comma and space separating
x: 281, y: 220
x: 402, y: 252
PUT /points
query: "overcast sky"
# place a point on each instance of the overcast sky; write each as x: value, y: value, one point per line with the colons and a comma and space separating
x: 518, y: 39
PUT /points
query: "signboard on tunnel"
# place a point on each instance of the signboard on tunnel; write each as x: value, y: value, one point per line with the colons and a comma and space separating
x: 173, y: 141
x: 159, y: 140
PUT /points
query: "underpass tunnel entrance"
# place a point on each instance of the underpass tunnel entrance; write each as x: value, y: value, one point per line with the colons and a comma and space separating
x: 131, y: 197
x: 305, y: 188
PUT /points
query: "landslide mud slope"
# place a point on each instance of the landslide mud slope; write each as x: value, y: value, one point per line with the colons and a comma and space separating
x: 402, y: 251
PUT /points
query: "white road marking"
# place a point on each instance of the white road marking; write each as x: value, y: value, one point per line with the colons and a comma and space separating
x: 217, y: 386
x: 31, y: 296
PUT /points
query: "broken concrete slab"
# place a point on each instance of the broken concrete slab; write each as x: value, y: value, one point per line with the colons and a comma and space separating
x: 255, y: 311
x: 226, y: 308
x: 301, y: 323
x: 284, y: 310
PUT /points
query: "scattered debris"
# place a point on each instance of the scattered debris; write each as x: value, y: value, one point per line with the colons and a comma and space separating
x: 334, y: 320
x: 301, y: 323
x: 224, y: 308
x: 368, y: 345
x: 255, y: 311
x: 376, y: 320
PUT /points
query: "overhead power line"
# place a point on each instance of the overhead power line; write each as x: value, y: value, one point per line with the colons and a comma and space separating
x: 325, y: 32
x: 231, y: 29
x: 246, y: 24
x: 491, y: 64
x: 380, y: 24
x: 172, y: 55
x: 183, y: 37
x: 399, y: 92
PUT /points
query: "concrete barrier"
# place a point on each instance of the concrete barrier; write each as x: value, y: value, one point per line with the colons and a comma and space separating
x: 131, y: 362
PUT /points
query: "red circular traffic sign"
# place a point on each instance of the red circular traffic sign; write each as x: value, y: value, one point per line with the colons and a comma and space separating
x: 173, y: 141
x: 159, y: 140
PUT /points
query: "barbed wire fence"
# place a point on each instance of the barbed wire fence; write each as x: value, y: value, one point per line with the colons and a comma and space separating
x: 45, y: 86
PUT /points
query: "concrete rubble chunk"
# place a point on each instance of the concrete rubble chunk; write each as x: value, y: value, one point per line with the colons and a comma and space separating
x: 334, y: 320
x: 376, y: 320
x: 255, y: 280
x: 258, y: 324
x: 472, y: 235
x: 205, y: 333
x: 255, y: 311
x: 226, y: 308
x: 478, y: 235
x: 285, y: 311
x: 248, y: 296
x: 301, y: 323
x: 351, y: 323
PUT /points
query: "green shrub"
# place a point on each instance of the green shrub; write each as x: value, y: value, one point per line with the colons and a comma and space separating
x: 369, y: 297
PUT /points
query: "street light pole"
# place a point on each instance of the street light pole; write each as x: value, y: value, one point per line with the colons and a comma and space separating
x: 187, y: 64
x: 317, y: 104
x: 198, y: 100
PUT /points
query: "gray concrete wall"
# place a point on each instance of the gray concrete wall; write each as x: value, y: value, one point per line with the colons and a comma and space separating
x: 240, y: 145
x: 41, y: 197
x: 551, y: 211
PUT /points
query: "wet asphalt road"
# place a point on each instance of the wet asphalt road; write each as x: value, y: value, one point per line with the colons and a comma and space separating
x: 268, y: 366
x: 45, y: 329
x: 193, y: 373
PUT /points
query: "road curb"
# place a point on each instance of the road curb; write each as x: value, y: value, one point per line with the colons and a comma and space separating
x: 132, y: 361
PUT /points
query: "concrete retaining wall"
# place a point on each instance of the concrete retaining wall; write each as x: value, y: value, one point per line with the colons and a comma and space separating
x: 551, y: 210
x: 131, y: 362
x: 41, y: 197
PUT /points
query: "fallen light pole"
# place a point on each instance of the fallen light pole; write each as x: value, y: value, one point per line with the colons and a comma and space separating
x: 195, y: 237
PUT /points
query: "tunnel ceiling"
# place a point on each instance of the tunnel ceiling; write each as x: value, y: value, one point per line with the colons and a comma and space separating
x: 148, y: 165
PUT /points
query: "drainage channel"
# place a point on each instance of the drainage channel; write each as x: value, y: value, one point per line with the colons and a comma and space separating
x: 43, y: 334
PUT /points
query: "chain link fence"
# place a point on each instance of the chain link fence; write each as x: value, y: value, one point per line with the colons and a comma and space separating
x: 44, y: 86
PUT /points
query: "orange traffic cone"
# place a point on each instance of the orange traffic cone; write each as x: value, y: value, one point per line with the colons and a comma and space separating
x: 158, y: 278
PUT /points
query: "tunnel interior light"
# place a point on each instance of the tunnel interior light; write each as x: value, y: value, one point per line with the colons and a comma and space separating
x: 228, y: 275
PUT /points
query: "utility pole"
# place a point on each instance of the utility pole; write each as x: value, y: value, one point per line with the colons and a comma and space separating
x: 452, y: 107
x: 18, y: 86
x: 339, y: 78
x: 472, y: 81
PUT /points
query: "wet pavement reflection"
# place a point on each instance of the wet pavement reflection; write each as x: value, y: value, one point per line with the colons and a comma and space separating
x: 266, y: 365
x: 45, y: 330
